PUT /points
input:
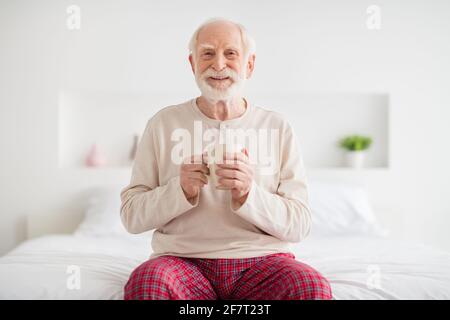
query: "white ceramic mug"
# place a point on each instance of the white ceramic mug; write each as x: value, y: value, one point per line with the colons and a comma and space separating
x: 215, y: 153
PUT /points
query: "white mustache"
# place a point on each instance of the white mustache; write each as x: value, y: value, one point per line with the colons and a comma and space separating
x: 226, y: 73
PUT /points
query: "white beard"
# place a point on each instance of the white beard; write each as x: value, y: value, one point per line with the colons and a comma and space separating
x: 235, y: 90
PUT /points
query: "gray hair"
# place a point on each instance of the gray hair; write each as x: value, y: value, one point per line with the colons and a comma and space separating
x: 247, y: 39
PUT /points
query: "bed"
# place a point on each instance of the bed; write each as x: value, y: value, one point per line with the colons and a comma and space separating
x: 347, y: 246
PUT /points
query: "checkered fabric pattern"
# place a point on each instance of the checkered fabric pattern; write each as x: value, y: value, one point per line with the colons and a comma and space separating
x: 272, y: 277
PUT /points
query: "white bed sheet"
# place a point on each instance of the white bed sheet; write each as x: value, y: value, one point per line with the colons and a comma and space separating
x: 352, y: 265
x: 357, y: 267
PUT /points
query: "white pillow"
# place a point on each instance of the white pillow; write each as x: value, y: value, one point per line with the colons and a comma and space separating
x: 341, y: 209
x: 336, y: 208
x: 102, y: 215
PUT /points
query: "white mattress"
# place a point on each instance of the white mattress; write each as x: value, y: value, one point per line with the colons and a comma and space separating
x: 357, y: 267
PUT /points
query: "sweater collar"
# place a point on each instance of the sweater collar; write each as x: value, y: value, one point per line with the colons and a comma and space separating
x: 236, y: 122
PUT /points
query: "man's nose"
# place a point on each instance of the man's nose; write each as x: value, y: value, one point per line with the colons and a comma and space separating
x: 219, y: 63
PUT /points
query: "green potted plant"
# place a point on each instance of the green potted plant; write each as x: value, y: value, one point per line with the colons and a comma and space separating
x: 356, y: 147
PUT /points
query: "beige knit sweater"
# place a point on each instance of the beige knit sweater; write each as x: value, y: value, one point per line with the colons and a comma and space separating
x: 275, y: 213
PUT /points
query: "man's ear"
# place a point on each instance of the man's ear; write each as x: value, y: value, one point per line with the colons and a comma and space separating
x: 191, y: 61
x: 250, y: 65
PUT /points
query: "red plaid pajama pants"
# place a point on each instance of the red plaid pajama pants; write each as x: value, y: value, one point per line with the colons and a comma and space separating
x: 272, y: 277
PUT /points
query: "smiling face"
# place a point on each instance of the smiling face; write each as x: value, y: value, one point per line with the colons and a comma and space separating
x: 219, y: 61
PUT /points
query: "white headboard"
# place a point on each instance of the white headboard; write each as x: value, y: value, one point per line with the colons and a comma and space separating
x: 42, y: 224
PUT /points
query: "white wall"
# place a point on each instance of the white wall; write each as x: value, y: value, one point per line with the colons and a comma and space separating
x: 309, y: 46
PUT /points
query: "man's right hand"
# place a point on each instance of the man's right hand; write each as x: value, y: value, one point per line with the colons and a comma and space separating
x: 193, y: 173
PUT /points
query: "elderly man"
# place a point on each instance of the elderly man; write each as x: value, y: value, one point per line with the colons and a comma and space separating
x: 230, y: 239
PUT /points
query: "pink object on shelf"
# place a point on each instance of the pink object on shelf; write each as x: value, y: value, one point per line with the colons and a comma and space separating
x: 95, y: 158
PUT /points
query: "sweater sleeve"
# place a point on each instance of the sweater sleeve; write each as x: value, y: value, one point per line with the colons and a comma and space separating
x: 286, y: 213
x: 145, y: 204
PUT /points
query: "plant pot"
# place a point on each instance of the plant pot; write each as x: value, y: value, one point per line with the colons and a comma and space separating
x: 355, y: 159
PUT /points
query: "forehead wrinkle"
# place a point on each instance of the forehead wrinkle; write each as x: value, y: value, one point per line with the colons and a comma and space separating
x: 206, y: 46
x: 210, y: 46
